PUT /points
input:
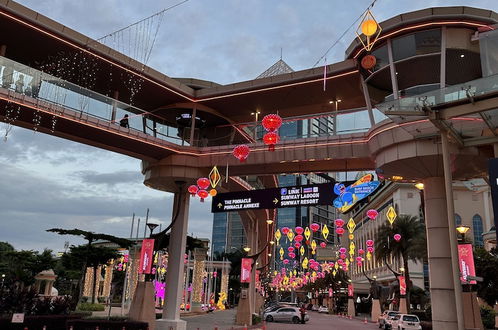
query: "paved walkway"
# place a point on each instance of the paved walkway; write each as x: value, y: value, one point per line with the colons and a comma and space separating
x: 224, y: 320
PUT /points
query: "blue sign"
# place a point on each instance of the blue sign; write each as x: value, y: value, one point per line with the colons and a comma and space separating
x: 349, y: 196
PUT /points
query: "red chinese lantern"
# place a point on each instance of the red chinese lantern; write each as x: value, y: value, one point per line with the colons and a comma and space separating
x: 370, y: 249
x: 397, y: 237
x: 368, y: 62
x: 339, y: 231
x: 359, y: 259
x: 271, y: 122
x: 202, y: 194
x: 323, y: 244
x: 299, y: 230
x: 314, y: 227
x: 285, y: 230
x: 298, y: 238
x: 241, y: 152
x: 343, y: 256
x: 286, y: 261
x: 372, y: 214
x: 361, y: 251
x: 193, y: 190
x: 203, y: 183
x: 342, y: 250
x: 292, y: 255
x: 370, y: 242
x: 290, y: 249
x: 339, y: 222
x: 270, y: 139
x: 297, y: 245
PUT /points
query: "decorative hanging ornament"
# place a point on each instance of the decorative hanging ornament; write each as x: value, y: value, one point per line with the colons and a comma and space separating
x: 307, y: 233
x: 214, y: 177
x: 391, y: 214
x: 372, y: 214
x: 313, y: 244
x: 397, y: 237
x: 285, y: 230
x: 298, y: 238
x: 370, y: 242
x: 270, y: 139
x: 305, y: 263
x: 241, y: 152
x: 361, y: 251
x: 301, y: 250
x: 351, y: 225
x: 369, y: 256
x: 340, y: 231
x: 297, y: 245
x: 325, y: 231
x: 213, y: 192
x: 299, y: 230
x: 342, y: 250
x: 202, y: 194
x: 286, y: 261
x: 290, y: 249
x: 193, y: 190
x: 370, y: 249
x: 278, y: 235
x: 339, y: 222
x: 271, y: 122
x: 203, y: 183
x: 368, y: 62
x: 370, y: 29
x: 281, y: 252
x: 323, y: 245
x: 290, y: 235
x: 292, y: 255
x: 314, y: 227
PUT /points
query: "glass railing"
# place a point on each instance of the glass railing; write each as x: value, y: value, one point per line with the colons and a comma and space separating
x: 415, y: 104
x: 37, y: 84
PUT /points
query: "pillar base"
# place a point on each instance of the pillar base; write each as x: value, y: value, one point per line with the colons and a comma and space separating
x: 164, y: 324
x: 143, y: 305
x: 402, y: 305
x: 351, y: 311
x: 196, y: 307
x: 376, y: 311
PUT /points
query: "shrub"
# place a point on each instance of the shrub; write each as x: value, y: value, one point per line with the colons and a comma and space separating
x: 488, y: 317
x: 91, y: 307
x: 426, y: 325
x: 106, y: 325
x: 52, y: 322
x: 256, y: 319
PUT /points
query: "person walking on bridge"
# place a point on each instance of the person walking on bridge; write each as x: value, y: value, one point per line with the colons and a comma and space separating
x: 124, y: 122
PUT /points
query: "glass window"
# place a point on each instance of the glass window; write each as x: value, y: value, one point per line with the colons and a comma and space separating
x: 477, y: 228
x: 381, y: 56
x: 489, y: 53
x: 458, y: 219
x: 410, y: 318
x: 423, y: 42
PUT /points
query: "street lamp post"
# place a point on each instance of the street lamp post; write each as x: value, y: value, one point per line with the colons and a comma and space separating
x: 462, y: 229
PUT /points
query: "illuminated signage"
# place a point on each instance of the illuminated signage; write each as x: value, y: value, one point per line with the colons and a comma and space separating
x: 402, y: 285
x: 348, y: 196
x: 307, y: 195
x: 146, y: 256
x: 466, y: 262
x: 245, y: 270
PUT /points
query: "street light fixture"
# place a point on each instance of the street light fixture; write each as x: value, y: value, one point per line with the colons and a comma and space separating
x: 247, y: 249
x: 269, y: 221
x: 462, y: 229
x: 152, y: 226
x: 419, y: 186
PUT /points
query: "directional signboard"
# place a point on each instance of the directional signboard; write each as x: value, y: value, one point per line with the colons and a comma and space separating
x: 308, y: 195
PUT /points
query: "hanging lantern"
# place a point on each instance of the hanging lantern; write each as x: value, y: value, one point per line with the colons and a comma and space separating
x: 281, y: 252
x: 372, y: 214
x: 270, y: 139
x: 391, y: 214
x: 397, y: 237
x: 369, y: 27
x: 325, y: 231
x: 361, y: 251
x: 370, y: 249
x: 292, y: 255
x: 271, y: 122
x: 307, y: 233
x: 213, y: 192
x: 214, y: 177
x: 343, y: 256
x: 342, y: 250
x: 203, y: 183
x: 285, y: 230
x: 202, y: 194
x: 323, y: 245
x: 305, y: 263
x: 351, y: 225
x: 241, y: 152
x: 314, y: 227
x: 297, y: 245
x: 370, y: 242
x: 301, y: 250
x: 340, y: 231
x: 193, y: 190
x: 351, y: 236
x: 286, y: 261
x: 360, y: 259
x: 339, y: 222
x: 298, y: 238
x: 299, y: 230
x: 278, y: 235
x: 290, y: 235
x: 290, y: 249
x: 368, y: 62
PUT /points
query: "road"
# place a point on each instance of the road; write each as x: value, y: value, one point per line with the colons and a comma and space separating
x: 224, y: 320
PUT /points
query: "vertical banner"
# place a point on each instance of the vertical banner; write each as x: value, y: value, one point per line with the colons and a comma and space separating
x: 331, y: 292
x: 245, y: 270
x: 146, y: 256
x: 493, y: 182
x: 466, y: 262
x: 402, y: 285
x: 258, y: 283
x: 350, y: 290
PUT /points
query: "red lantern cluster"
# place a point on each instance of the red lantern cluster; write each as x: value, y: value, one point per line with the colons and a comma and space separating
x: 271, y: 124
x: 241, y: 152
x: 338, y: 227
x: 314, y: 227
x: 201, y: 189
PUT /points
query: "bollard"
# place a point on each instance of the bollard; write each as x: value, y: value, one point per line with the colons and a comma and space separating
x: 350, y: 317
x: 245, y: 326
x: 365, y: 321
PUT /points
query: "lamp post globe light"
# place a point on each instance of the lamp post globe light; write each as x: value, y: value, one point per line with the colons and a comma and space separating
x: 462, y: 229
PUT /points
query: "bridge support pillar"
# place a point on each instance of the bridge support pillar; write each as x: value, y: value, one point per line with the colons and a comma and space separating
x: 199, y: 268
x: 174, y: 277
x: 444, y: 311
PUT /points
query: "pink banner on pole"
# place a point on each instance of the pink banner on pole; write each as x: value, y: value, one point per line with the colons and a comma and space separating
x: 466, y: 263
x: 146, y: 256
x: 331, y: 292
x: 350, y: 290
x: 402, y: 285
x: 245, y: 270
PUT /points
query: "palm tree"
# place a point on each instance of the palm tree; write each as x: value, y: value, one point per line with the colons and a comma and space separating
x: 411, y: 246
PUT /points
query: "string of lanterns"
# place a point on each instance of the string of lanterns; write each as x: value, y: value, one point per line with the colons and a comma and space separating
x: 201, y: 189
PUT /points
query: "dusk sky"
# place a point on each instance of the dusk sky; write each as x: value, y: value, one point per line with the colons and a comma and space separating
x: 50, y: 182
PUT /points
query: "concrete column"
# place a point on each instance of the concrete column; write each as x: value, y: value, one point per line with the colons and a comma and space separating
x: 178, y: 237
x: 439, y: 256
x: 199, y: 267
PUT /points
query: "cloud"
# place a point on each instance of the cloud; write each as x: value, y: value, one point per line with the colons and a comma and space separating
x: 110, y: 179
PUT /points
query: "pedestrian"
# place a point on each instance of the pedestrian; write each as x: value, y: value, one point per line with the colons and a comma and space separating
x: 20, y: 84
x: 124, y: 122
x: 302, y: 310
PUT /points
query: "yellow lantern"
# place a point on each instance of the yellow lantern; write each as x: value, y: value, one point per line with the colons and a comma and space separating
x: 325, y: 231
x: 305, y: 263
x: 369, y: 27
x: 213, y: 192
x: 278, y: 235
x: 290, y: 235
x: 281, y: 252
x: 301, y: 250
x: 307, y: 233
